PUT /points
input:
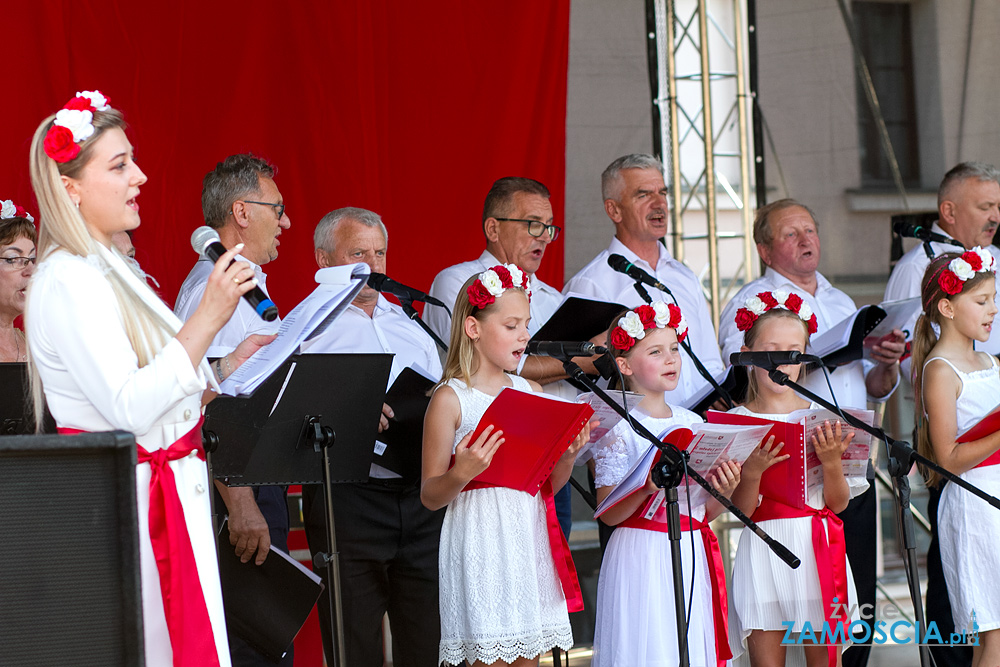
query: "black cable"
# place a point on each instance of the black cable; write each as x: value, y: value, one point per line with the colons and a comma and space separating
x: 687, y: 491
x: 694, y: 562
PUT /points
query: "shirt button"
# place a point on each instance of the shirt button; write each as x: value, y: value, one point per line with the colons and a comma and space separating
x: 193, y: 454
x: 199, y: 488
x: 187, y: 415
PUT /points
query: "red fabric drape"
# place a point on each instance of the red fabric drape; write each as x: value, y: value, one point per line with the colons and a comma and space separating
x: 409, y: 109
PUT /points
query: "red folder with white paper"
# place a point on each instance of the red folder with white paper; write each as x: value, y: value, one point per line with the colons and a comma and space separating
x: 537, y: 430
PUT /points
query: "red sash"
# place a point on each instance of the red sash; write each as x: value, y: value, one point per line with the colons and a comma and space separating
x: 716, y: 570
x: 831, y: 557
x: 561, y: 555
x: 991, y: 460
x: 184, y: 605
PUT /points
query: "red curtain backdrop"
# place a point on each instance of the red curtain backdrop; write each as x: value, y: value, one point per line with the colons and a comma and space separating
x: 409, y: 109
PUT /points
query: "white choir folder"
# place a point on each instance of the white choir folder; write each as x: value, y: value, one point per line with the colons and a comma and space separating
x: 335, y: 289
x: 854, y: 337
x: 708, y: 447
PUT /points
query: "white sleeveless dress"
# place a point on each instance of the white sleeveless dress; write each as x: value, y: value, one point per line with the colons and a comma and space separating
x: 969, y: 528
x: 500, y: 596
x: 635, y: 622
x: 764, y: 592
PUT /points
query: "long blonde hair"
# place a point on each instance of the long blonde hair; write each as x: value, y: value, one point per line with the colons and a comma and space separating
x: 924, y: 340
x: 462, y: 361
x: 62, y: 228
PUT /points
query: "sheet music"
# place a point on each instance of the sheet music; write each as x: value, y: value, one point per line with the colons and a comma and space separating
x: 836, y: 337
x: 898, y: 315
x: 337, y: 286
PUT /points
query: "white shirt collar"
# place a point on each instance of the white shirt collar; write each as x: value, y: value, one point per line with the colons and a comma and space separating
x: 489, y: 261
x: 620, y: 248
x: 779, y: 279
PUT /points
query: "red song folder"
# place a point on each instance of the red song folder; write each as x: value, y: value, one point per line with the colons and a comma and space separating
x: 789, y: 481
x: 984, y: 427
x: 537, y: 430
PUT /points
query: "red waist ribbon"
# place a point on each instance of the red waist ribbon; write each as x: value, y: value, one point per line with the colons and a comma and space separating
x: 561, y: 555
x: 184, y: 607
x: 831, y: 558
x: 716, y: 570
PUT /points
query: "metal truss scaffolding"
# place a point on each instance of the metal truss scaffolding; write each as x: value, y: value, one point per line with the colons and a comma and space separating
x: 701, y: 108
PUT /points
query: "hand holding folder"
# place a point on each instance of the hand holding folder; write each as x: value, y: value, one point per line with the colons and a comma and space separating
x: 537, y: 430
x: 790, y: 481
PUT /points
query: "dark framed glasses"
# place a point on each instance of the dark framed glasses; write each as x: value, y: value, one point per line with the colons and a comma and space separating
x: 536, y: 227
x: 278, y: 208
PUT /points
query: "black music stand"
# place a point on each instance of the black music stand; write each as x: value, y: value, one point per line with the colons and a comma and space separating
x: 313, y: 421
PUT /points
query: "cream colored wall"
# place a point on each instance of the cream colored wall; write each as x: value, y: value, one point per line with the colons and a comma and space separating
x: 807, y: 93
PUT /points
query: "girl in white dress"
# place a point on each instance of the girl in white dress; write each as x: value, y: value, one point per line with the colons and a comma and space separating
x: 956, y: 386
x: 766, y: 594
x: 501, y: 598
x: 636, y: 623
x: 106, y: 353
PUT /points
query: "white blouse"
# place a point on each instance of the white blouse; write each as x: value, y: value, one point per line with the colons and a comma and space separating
x: 88, y: 368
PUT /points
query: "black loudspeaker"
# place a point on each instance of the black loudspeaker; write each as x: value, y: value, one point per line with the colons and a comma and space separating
x: 69, y: 551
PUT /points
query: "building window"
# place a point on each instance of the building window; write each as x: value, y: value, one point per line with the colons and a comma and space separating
x: 883, y: 30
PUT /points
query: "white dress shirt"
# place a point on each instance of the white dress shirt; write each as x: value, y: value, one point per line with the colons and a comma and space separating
x: 831, y: 306
x: 907, y: 277
x: 93, y: 382
x: 245, y: 320
x: 388, y: 331
x: 545, y: 300
x: 599, y: 281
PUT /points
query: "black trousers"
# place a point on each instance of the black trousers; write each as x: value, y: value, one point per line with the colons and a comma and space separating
x: 938, y: 606
x: 388, y: 545
x: 860, y: 538
x: 271, y: 500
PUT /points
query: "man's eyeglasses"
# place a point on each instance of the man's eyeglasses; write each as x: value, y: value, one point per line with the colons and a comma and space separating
x: 17, y: 263
x: 536, y: 227
x: 278, y: 208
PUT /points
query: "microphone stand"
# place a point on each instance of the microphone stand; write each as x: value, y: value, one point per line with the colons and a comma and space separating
x: 412, y: 313
x: 687, y: 348
x: 901, y: 458
x: 668, y: 473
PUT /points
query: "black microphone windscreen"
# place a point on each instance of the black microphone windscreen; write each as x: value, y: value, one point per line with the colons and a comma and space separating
x: 618, y: 262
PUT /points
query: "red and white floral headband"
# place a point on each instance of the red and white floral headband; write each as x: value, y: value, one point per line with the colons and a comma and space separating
x: 74, y: 124
x: 491, y: 283
x: 960, y: 269
x: 8, y: 210
x: 633, y: 325
x: 756, y: 306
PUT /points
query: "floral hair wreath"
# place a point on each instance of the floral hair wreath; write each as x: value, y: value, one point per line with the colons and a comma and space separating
x: 960, y: 269
x: 74, y: 124
x: 658, y: 315
x: 8, y: 210
x: 492, y: 282
x: 756, y: 306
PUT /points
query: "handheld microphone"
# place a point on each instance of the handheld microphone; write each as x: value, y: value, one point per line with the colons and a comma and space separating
x: 383, y: 283
x: 205, y: 242
x: 564, y: 349
x: 770, y: 360
x: 915, y: 231
x: 622, y: 265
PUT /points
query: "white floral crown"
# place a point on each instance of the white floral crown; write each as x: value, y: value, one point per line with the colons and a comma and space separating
x: 8, y: 210
x: 492, y: 282
x: 658, y: 315
x: 74, y: 124
x: 960, y: 269
x: 757, y: 305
